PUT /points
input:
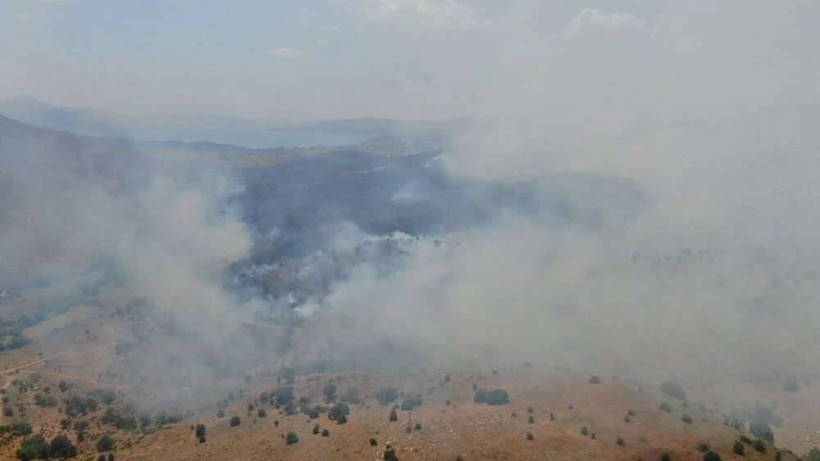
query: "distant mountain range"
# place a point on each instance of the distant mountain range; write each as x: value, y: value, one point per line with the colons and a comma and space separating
x: 220, y: 129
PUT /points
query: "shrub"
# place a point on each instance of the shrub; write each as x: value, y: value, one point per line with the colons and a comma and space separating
x: 666, y: 457
x: 814, y: 455
x: 664, y: 406
x: 325, y: 433
x: 200, y: 430
x: 594, y: 380
x: 235, y: 421
x: 373, y: 442
x: 531, y: 420
x: 261, y: 413
x: 417, y: 427
x: 703, y: 447
x: 530, y: 436
x: 584, y: 431
x: 620, y: 441
x: 315, y: 428
x: 760, y: 446
x: 394, y: 416
x: 387, y: 395
x: 291, y: 438
x: 105, y: 443
x: 762, y: 430
x: 673, y: 389
x: 711, y: 456
x: 738, y: 448
x: 686, y: 419
x: 282, y: 395
x: 791, y: 385
x: 339, y: 412
x: 390, y: 454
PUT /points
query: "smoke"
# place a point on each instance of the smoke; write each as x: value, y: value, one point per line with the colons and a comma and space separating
x: 161, y: 229
x: 710, y: 110
x: 681, y: 148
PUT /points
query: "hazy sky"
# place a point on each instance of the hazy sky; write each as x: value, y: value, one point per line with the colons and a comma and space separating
x: 284, y: 59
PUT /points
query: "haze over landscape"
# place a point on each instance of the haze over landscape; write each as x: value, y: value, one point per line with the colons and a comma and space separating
x: 526, y: 229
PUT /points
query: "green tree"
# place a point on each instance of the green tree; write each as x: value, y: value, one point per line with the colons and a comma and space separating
x: 387, y: 395
x: 61, y: 447
x: 34, y: 447
x: 106, y: 443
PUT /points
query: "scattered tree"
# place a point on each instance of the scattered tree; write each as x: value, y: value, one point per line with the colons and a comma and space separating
x: 329, y: 392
